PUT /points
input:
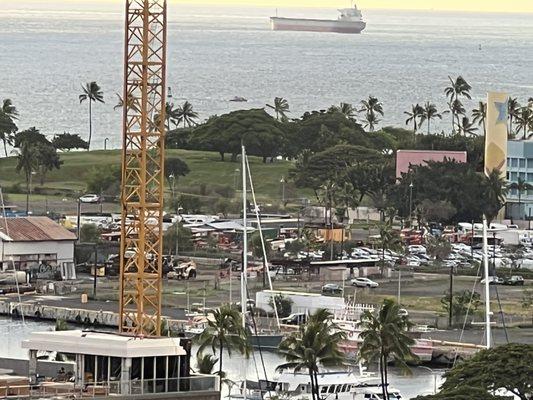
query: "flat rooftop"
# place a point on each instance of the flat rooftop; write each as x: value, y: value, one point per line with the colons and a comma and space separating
x: 104, y: 344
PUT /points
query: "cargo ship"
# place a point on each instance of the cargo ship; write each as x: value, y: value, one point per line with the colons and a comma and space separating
x: 350, y: 20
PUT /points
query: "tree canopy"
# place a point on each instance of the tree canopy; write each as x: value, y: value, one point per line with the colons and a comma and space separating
x: 508, y: 367
x: 67, y: 142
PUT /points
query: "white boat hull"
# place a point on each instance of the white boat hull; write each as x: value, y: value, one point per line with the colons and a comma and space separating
x: 316, y: 25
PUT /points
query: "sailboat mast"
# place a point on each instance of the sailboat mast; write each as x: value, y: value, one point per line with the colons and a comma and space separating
x: 486, y: 273
x: 244, y: 297
x: 244, y: 239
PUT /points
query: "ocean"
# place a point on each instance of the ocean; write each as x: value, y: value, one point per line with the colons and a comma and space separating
x: 48, y: 50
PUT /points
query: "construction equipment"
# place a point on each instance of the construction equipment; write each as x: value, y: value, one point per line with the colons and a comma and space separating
x: 144, y: 101
x: 183, y: 271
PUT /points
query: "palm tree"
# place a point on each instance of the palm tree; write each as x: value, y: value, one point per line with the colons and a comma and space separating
x: 414, y: 116
x: 371, y: 107
x: 205, y: 363
x: 27, y: 162
x: 348, y: 110
x: 8, y: 116
x: 314, y: 345
x: 458, y: 87
x: 92, y: 93
x: 185, y: 114
x: 384, y: 338
x: 132, y: 102
x: 389, y: 239
x: 496, y: 190
x: 371, y: 120
x: 456, y: 110
x: 280, y: 107
x: 479, y: 116
x: 224, y: 332
x: 524, y: 120
x: 467, y: 127
x: 513, y: 106
x: 520, y: 186
x: 429, y: 112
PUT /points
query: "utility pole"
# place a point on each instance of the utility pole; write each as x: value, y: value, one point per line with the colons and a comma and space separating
x: 450, y: 299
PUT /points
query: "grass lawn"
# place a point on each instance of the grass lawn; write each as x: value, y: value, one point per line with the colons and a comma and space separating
x: 206, y: 168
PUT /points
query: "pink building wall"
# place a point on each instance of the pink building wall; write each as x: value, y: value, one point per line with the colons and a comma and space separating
x: 405, y: 158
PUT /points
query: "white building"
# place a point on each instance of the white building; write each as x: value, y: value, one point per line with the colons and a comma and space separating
x: 35, y: 241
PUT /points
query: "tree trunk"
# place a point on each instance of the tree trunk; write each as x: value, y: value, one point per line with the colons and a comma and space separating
x: 317, y: 389
x: 313, y: 392
x: 90, y: 124
x: 5, y: 146
x: 221, y: 155
x: 383, y: 383
x: 386, y: 374
x: 264, y: 160
x: 221, y: 354
x: 429, y: 126
x: 28, y: 177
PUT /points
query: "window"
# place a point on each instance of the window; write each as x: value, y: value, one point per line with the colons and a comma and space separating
x: 514, y: 176
x: 89, y: 366
x: 530, y: 163
x: 324, y: 389
x: 522, y: 175
x: 522, y: 163
x: 514, y: 162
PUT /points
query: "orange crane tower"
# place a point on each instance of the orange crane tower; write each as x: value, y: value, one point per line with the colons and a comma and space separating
x: 143, y: 150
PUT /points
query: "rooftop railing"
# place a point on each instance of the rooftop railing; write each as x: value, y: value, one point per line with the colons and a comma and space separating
x: 129, y: 389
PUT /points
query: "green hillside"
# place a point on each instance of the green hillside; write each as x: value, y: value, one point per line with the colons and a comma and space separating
x: 206, y: 168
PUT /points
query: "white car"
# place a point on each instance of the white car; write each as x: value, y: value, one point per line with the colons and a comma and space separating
x: 417, y: 248
x: 364, y: 282
x: 90, y: 198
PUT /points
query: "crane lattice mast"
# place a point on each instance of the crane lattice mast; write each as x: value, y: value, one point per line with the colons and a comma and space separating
x: 143, y: 151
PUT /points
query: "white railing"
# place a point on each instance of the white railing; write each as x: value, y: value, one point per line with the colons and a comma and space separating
x: 130, y: 389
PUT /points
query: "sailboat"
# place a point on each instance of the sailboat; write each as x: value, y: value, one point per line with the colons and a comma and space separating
x: 263, y: 339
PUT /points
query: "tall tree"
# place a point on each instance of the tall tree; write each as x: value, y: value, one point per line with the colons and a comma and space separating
x: 280, y: 107
x: 524, y: 121
x: 414, y: 116
x: 466, y: 127
x: 385, y: 338
x: 186, y: 114
x: 479, y: 116
x: 429, y: 113
x: 495, y: 192
x: 520, y: 186
x: 389, y: 239
x: 8, y: 116
x: 458, y: 88
x: 224, y: 332
x: 92, y: 93
x: 27, y: 163
x: 508, y: 367
x: 314, y: 345
x: 371, y: 108
x: 67, y: 142
x: 513, y: 106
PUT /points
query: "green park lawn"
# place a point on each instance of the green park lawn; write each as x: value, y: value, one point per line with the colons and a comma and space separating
x: 206, y: 168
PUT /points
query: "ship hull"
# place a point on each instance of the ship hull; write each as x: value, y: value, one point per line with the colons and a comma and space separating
x: 316, y: 25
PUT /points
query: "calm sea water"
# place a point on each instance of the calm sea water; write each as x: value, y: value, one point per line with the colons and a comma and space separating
x: 215, y: 53
x: 14, y: 331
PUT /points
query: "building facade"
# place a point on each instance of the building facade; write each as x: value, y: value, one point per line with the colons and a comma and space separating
x: 519, y: 165
x: 31, y: 242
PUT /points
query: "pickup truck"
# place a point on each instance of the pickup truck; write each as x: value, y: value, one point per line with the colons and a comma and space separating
x: 515, y: 280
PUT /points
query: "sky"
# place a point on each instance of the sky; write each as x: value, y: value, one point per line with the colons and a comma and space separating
x: 516, y: 6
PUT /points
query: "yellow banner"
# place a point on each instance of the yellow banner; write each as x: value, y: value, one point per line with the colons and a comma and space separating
x: 496, y: 137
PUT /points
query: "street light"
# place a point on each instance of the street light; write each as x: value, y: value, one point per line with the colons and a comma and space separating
x: 105, y: 143
x: 236, y: 173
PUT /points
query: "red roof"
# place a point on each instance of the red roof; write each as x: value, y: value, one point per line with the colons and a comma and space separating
x: 34, y: 229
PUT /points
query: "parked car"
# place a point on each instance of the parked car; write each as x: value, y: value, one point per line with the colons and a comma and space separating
x: 295, y: 319
x: 331, y: 288
x: 364, y: 282
x: 417, y: 248
x: 90, y: 198
x: 494, y: 280
x: 515, y: 280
